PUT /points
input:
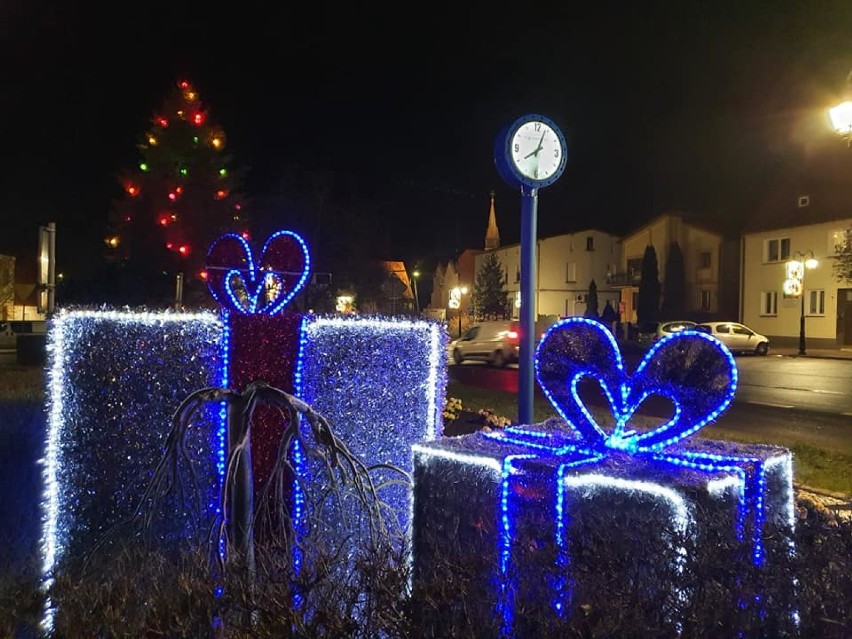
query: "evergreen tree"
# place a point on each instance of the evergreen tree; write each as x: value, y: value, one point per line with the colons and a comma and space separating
x: 674, y: 299
x: 592, y: 302
x: 648, y: 303
x: 490, y: 299
x: 179, y: 198
x: 842, y: 267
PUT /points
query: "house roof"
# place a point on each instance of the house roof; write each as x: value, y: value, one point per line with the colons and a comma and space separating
x: 823, y: 176
x: 691, y: 218
x: 398, y: 270
x: 786, y: 210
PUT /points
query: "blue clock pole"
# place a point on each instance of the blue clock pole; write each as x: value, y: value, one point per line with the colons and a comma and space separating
x: 530, y: 154
x: 526, y: 374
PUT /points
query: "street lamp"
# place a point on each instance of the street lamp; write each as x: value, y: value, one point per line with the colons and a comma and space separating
x: 455, y: 301
x: 841, y: 116
x: 841, y: 120
x: 795, y: 285
x: 414, y: 275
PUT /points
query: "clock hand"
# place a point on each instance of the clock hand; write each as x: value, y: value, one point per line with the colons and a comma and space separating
x: 540, y: 147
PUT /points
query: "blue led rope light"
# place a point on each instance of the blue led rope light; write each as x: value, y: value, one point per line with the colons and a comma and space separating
x: 749, y: 472
x: 607, y: 369
x: 562, y: 602
x: 255, y: 287
x: 222, y: 430
x: 299, y: 467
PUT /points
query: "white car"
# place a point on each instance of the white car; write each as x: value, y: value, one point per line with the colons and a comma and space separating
x: 495, y: 342
x: 737, y: 337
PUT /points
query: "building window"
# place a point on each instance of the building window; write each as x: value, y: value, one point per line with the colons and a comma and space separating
x: 517, y: 275
x: 804, y: 200
x: 769, y: 303
x: 571, y: 272
x: 590, y: 243
x: 705, y: 300
x: 839, y: 242
x: 705, y: 259
x: 634, y: 266
x: 816, y: 302
x: 776, y: 250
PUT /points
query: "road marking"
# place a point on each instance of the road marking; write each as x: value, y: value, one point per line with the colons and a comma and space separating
x: 772, y: 405
x: 827, y: 392
x: 849, y: 413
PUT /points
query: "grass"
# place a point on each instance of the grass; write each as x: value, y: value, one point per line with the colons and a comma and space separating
x: 814, y: 467
x: 21, y: 384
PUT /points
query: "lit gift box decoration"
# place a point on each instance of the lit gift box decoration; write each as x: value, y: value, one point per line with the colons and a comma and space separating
x: 380, y: 381
x: 116, y: 379
x: 535, y: 513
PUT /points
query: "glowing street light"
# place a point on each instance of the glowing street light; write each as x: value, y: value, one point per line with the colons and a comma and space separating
x: 455, y: 300
x: 794, y: 286
x: 841, y: 116
x: 414, y: 275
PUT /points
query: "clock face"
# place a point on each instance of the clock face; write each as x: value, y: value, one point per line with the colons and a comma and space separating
x: 536, y: 150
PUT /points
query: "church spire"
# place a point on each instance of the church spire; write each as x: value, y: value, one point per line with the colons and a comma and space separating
x: 492, y: 235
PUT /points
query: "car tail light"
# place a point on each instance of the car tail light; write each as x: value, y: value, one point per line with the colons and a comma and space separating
x: 512, y: 334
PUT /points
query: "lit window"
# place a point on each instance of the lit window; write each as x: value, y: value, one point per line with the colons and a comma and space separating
x: 816, y: 302
x: 839, y: 241
x: 769, y: 303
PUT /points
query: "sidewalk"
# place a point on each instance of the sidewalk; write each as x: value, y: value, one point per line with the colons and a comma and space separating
x: 816, y: 353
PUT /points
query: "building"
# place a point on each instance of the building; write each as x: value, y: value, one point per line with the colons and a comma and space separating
x: 461, y: 274
x: 766, y: 307
x: 708, y: 261
x: 18, y: 298
x: 566, y: 266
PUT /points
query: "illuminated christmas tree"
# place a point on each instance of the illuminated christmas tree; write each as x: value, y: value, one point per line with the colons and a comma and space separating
x: 179, y: 198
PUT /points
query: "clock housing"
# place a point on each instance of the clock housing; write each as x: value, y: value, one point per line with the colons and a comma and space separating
x: 530, y: 152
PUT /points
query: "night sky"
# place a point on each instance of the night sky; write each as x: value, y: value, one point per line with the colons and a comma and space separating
x: 692, y: 106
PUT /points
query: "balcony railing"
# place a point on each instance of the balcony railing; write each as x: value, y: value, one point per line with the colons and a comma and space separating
x: 623, y: 279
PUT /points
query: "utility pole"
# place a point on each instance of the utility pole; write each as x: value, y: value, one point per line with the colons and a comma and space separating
x: 47, y: 268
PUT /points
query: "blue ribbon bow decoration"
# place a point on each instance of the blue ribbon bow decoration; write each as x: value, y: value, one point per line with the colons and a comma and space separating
x: 693, y: 370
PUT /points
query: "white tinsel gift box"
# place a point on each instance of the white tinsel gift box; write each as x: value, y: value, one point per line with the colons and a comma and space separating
x: 543, y: 526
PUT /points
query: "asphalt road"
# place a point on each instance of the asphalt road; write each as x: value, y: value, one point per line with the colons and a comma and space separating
x: 803, y: 400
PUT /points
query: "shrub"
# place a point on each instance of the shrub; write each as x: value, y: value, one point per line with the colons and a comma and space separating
x: 133, y: 592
